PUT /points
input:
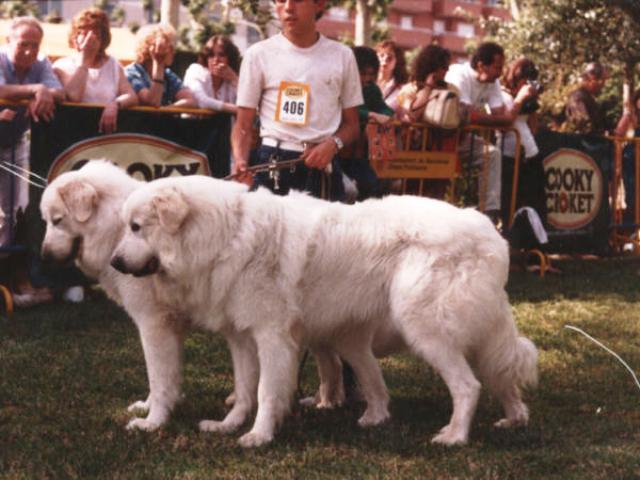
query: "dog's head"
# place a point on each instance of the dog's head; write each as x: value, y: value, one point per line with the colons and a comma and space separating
x: 67, y: 206
x: 177, y: 224
x: 153, y: 218
x: 80, y: 210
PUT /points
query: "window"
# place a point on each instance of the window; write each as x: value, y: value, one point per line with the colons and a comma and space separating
x: 466, y: 30
x: 406, y: 22
x: 339, y: 13
x: 439, y: 26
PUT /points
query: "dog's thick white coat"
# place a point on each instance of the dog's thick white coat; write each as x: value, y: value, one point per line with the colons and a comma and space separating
x: 82, y: 213
x: 277, y: 273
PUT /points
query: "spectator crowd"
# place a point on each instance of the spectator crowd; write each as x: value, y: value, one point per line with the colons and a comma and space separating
x: 276, y: 86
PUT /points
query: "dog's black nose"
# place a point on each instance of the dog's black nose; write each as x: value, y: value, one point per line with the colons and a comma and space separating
x: 118, y: 264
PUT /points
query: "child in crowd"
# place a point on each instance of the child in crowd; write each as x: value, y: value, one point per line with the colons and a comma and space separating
x: 355, y: 162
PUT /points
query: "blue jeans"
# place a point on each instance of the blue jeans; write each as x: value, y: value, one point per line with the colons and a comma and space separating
x: 300, y: 177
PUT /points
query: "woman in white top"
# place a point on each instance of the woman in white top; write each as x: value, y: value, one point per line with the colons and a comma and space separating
x: 392, y: 74
x: 214, y: 78
x: 92, y: 76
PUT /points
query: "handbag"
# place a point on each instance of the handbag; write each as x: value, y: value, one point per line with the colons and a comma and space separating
x: 443, y: 109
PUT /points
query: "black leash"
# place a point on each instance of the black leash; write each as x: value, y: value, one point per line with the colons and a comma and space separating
x: 271, y: 166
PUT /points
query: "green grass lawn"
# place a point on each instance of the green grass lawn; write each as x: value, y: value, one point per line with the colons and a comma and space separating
x: 67, y: 373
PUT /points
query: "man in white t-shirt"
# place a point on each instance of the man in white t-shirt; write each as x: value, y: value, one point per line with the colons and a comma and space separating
x: 479, y: 89
x: 306, y: 89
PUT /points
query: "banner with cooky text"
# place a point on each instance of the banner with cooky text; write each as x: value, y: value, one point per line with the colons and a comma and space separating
x: 147, y: 145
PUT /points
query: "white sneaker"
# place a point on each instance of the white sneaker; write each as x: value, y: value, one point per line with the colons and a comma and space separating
x: 73, y: 294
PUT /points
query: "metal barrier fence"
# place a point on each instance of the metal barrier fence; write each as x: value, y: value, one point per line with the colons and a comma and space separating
x: 625, y: 229
x: 419, y: 157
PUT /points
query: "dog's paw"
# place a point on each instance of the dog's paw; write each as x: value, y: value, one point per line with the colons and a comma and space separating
x: 520, y: 421
x: 142, y: 424
x: 373, y: 418
x: 254, y: 439
x: 448, y: 436
x: 230, y: 400
x: 139, y: 406
x: 217, y: 427
x: 308, y: 401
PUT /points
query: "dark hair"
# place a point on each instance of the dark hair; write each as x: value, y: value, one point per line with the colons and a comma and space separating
x: 428, y: 60
x: 366, y: 57
x: 229, y: 48
x: 594, y: 70
x: 399, y: 73
x: 486, y: 53
x: 520, y: 69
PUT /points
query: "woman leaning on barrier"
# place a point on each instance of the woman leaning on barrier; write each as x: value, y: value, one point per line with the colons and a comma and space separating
x: 629, y: 124
x: 150, y: 76
x: 520, y: 89
x: 427, y: 73
x: 92, y: 76
x: 214, y: 78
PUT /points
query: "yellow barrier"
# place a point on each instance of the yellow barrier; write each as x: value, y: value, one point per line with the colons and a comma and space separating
x: 166, y: 110
x: 622, y: 234
x: 427, y: 154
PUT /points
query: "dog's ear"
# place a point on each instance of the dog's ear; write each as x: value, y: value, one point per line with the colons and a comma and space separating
x: 80, y: 198
x: 172, y: 209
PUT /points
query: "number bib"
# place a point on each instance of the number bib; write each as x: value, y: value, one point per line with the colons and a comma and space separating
x: 293, y: 103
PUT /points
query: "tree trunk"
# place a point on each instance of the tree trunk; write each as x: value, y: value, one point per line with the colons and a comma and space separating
x: 362, y: 23
x: 169, y: 10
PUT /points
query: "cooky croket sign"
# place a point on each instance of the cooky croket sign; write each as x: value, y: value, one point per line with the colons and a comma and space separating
x: 576, y: 182
x: 573, y: 187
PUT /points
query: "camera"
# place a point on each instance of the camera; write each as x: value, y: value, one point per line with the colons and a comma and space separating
x: 531, y: 105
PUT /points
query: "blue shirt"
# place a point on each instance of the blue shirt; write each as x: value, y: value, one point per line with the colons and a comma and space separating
x: 39, y: 73
x: 139, y: 78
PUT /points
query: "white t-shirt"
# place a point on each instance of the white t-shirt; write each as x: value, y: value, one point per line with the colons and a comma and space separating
x: 472, y: 92
x: 198, y: 79
x: 102, y: 83
x: 526, y: 137
x: 329, y: 69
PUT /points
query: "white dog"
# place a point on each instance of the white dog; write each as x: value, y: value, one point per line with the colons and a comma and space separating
x: 283, y: 272
x: 81, y: 210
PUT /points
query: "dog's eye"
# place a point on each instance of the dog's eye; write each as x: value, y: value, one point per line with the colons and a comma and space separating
x: 135, y: 226
x: 56, y: 221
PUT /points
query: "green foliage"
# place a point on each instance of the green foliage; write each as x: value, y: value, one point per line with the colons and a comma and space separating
x: 18, y: 8
x: 561, y: 36
x: 118, y: 16
x: 67, y: 373
x: 102, y: 4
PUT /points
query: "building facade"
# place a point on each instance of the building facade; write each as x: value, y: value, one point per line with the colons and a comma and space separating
x: 416, y: 23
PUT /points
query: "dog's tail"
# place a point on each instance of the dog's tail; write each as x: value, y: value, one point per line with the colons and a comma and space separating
x: 508, y: 360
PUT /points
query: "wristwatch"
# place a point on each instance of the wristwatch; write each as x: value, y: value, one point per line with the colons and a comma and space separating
x: 338, y: 141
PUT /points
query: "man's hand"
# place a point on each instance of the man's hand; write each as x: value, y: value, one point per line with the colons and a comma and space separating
x: 42, y: 105
x: 320, y: 155
x: 7, y: 115
x: 239, y: 168
x: 109, y: 119
x: 525, y: 92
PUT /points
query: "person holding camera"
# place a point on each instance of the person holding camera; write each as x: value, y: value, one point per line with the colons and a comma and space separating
x: 520, y: 90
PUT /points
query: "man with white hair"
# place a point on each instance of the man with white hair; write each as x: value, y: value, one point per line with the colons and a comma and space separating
x: 24, y: 75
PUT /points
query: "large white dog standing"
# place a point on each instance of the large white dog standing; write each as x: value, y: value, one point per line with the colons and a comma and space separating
x: 291, y: 271
x: 82, y: 213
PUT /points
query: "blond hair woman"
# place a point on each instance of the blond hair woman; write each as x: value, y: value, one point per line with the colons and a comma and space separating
x: 150, y: 76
